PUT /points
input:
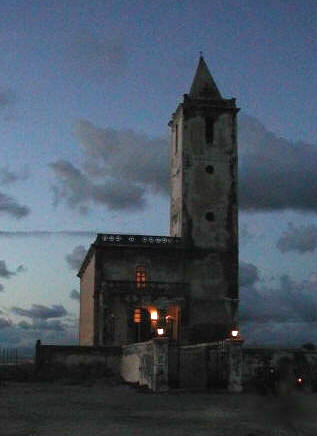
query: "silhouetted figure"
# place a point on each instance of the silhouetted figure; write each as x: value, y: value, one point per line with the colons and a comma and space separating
x: 272, y: 380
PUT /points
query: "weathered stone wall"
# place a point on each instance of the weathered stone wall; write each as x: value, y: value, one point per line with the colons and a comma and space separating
x: 70, y: 356
x: 130, y: 366
x: 213, y: 365
x: 236, y: 368
x: 87, y: 307
x: 162, y: 265
x: 235, y: 365
x: 158, y: 365
x: 204, y: 212
x: 146, y: 363
x: 205, y: 365
x: 193, y: 370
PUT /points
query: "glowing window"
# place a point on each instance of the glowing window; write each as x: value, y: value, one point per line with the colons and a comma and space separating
x: 140, y: 276
x: 137, y: 315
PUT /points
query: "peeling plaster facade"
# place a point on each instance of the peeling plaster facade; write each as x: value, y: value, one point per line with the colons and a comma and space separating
x: 189, y: 278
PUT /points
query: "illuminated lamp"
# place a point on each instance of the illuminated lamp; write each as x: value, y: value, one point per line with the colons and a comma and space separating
x: 234, y: 333
x: 160, y: 332
x: 154, y: 315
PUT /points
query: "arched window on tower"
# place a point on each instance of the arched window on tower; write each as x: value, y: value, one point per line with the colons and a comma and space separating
x: 140, y: 276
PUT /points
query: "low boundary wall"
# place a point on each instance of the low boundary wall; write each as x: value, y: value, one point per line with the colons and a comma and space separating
x: 212, y: 365
x: 74, y: 355
x: 159, y: 364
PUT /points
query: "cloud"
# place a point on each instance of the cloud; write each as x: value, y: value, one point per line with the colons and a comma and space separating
x: 95, y: 59
x: 302, y: 239
x: 8, y: 177
x: 279, y: 334
x: 76, y: 257
x: 1, y: 289
x: 25, y: 334
x: 120, y: 167
x: 285, y: 315
x: 42, y: 324
x: 21, y: 268
x: 11, y: 207
x: 245, y: 236
x: 4, y: 272
x: 25, y: 325
x: 7, y: 274
x: 5, y: 323
x: 290, y: 302
x: 41, y: 312
x: 79, y: 191
x: 275, y: 174
x: 125, y: 155
x: 248, y: 274
x: 74, y: 295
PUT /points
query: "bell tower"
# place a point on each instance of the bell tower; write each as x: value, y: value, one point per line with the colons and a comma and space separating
x: 204, y: 198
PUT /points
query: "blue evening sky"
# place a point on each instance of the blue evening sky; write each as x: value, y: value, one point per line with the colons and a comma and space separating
x: 75, y: 73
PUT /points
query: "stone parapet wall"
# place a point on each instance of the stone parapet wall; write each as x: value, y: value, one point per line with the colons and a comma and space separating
x: 193, y: 365
x: 74, y: 355
x: 213, y: 365
x: 160, y: 365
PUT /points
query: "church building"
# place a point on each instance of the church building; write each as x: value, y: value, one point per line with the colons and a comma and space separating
x: 183, y: 285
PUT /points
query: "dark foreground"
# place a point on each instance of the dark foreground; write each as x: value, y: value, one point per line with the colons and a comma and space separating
x: 48, y: 409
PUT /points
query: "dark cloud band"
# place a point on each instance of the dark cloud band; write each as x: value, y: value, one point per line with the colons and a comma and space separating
x: 121, y: 166
x: 38, y: 311
x: 10, y: 206
x: 301, y: 239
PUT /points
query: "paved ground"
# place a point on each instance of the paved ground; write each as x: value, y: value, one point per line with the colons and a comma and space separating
x: 48, y: 409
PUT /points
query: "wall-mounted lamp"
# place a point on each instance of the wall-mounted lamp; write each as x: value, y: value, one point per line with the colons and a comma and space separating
x: 160, y: 332
x: 234, y: 333
x: 154, y: 315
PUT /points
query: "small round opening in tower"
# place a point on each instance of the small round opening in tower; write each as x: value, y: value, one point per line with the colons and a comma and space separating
x: 209, y: 169
x: 210, y: 216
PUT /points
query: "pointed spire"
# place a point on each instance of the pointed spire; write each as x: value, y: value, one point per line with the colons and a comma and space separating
x: 203, y: 85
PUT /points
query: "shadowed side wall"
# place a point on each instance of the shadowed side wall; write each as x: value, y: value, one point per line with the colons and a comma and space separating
x: 70, y: 356
x: 87, y: 289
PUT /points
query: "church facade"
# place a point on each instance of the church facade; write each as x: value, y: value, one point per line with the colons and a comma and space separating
x: 185, y: 285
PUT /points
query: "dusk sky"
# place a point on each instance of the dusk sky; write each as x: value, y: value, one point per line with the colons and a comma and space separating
x: 86, y: 92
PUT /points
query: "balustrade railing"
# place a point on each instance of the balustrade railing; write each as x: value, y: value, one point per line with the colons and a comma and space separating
x: 113, y: 239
